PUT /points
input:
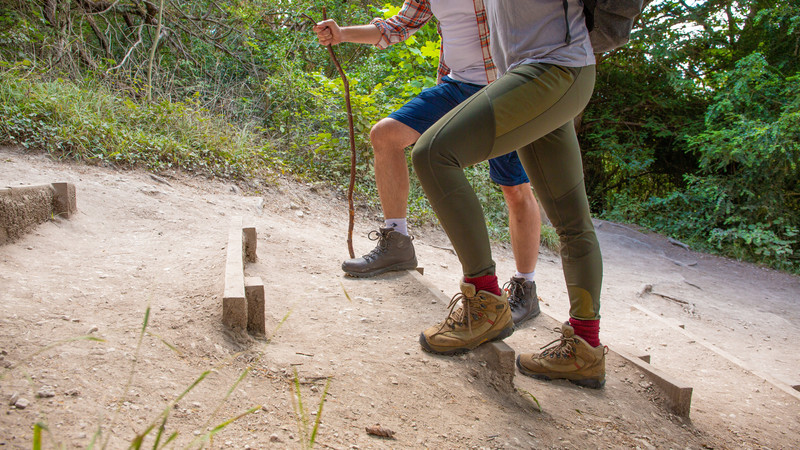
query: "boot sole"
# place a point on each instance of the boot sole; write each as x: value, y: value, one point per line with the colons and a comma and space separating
x: 504, y: 333
x: 395, y: 267
x: 585, y: 382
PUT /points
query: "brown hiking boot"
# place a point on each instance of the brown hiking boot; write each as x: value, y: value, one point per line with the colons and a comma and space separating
x: 482, y: 317
x: 522, y: 299
x: 572, y: 359
x: 393, y: 252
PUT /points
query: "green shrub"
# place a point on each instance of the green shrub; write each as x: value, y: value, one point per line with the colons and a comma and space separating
x: 87, y: 121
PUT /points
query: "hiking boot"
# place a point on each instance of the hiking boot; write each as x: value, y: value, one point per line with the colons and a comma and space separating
x: 393, y: 252
x: 572, y: 359
x: 482, y: 317
x: 522, y: 299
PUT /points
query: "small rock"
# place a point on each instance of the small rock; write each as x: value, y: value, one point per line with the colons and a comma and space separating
x: 46, y: 392
x: 93, y: 329
x: 13, y: 399
x: 22, y: 403
x: 299, y: 214
x: 274, y: 438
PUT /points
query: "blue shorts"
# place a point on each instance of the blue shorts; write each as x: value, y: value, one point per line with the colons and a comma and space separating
x: 422, y: 111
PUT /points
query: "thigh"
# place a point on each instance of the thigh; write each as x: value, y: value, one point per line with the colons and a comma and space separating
x: 462, y: 137
x: 533, y: 100
x: 521, y: 107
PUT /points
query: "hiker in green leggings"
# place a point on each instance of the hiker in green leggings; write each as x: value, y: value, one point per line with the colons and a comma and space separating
x: 547, y: 81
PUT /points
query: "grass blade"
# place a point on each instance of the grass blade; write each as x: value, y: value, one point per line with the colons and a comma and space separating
x: 37, y: 435
x: 319, y: 414
x: 160, y: 432
x: 533, y: 398
x: 208, y: 436
x: 345, y: 293
x: 145, y: 321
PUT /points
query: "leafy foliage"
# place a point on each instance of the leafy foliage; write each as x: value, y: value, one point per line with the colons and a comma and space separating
x: 700, y: 135
x: 744, y: 199
x: 93, y: 124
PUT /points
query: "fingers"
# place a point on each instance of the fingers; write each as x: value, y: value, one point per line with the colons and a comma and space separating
x: 325, y: 32
x: 324, y: 36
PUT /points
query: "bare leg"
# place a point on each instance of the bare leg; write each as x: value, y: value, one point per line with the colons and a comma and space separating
x: 394, y: 250
x: 524, y: 225
x: 389, y: 140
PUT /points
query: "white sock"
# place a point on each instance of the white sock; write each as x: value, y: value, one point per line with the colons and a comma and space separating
x: 528, y: 276
x: 399, y: 225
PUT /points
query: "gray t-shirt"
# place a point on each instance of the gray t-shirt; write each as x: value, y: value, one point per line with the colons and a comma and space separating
x: 535, y: 31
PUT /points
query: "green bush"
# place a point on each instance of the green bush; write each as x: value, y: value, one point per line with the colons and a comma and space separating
x: 743, y: 202
x: 90, y: 122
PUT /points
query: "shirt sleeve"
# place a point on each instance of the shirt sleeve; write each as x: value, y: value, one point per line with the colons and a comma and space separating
x: 412, y: 16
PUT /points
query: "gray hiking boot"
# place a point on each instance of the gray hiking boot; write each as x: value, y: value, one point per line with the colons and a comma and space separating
x: 393, y: 252
x: 522, y: 299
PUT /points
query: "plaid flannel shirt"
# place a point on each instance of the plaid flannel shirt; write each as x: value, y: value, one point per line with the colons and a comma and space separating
x: 416, y: 13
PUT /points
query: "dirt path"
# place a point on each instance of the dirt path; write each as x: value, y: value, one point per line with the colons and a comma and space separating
x: 725, y: 328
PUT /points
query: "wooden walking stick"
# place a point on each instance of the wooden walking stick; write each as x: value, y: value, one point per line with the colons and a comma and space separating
x: 352, y: 139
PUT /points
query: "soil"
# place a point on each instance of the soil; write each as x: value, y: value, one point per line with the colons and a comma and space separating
x: 141, y: 242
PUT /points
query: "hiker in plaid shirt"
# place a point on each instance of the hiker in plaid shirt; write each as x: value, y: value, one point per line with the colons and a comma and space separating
x: 465, y: 66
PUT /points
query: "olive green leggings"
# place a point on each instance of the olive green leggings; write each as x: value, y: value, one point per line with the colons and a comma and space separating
x: 530, y: 109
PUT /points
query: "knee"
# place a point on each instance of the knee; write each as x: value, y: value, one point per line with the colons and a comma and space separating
x: 519, y: 197
x: 386, y: 136
x: 379, y: 133
x: 419, y: 155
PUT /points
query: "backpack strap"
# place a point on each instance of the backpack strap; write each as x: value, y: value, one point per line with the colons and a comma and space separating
x: 568, y: 37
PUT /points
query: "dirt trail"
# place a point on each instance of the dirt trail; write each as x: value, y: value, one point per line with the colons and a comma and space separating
x: 723, y: 327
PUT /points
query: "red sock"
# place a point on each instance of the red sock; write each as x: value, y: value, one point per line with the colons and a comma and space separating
x: 486, y: 283
x: 589, y: 330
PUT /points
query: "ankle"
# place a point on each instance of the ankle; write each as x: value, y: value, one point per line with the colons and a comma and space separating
x: 400, y: 225
x: 528, y: 276
x: 589, y: 330
x: 486, y: 283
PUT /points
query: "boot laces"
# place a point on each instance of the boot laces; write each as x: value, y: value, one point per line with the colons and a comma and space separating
x: 461, y: 316
x: 516, y: 291
x: 379, y: 249
x: 564, y: 349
